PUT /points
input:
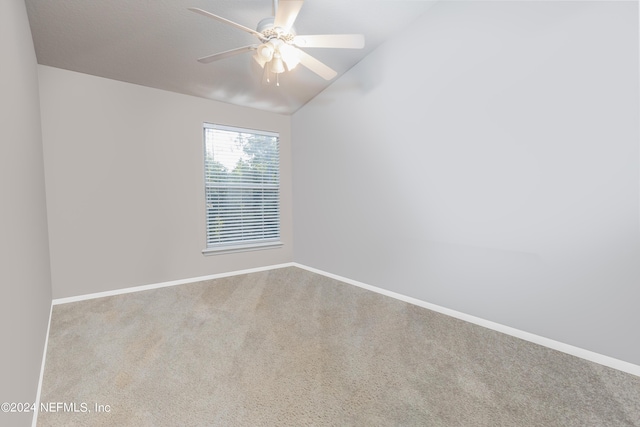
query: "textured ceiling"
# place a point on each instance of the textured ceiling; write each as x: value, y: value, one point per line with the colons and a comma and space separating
x: 156, y: 43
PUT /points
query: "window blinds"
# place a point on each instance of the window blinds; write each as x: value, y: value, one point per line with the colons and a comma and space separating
x: 242, y: 182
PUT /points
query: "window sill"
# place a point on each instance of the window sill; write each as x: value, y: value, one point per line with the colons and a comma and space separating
x: 240, y: 248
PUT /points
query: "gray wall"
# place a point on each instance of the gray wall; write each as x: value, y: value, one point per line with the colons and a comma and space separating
x: 124, y: 177
x: 25, y: 284
x: 486, y: 160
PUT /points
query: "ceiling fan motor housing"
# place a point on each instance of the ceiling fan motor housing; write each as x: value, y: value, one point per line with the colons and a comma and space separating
x: 269, y: 31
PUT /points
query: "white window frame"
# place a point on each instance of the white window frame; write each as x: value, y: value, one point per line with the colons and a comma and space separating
x: 241, y: 244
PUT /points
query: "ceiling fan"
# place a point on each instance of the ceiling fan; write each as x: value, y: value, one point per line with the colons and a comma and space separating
x: 279, y: 47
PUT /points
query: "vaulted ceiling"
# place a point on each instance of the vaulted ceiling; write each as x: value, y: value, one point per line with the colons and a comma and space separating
x: 156, y: 43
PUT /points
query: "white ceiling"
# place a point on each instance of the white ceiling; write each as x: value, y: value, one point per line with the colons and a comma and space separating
x: 156, y: 43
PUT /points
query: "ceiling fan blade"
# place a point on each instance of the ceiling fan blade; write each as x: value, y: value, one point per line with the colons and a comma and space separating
x: 226, y: 21
x: 287, y: 13
x: 344, y: 41
x: 226, y: 54
x: 316, y: 66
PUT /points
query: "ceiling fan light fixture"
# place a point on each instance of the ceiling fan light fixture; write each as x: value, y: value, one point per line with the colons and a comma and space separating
x: 265, y: 52
x: 276, y: 65
x: 259, y: 60
x: 290, y: 56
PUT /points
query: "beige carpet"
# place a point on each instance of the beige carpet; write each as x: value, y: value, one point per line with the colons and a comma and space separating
x: 288, y: 347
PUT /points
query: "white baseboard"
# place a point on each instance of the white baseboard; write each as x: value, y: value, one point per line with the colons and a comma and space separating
x: 34, y: 420
x: 166, y: 284
x: 546, y: 342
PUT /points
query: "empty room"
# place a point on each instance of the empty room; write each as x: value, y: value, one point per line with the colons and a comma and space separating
x: 320, y: 212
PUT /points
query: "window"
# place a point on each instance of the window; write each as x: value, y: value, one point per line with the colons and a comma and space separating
x: 242, y: 186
